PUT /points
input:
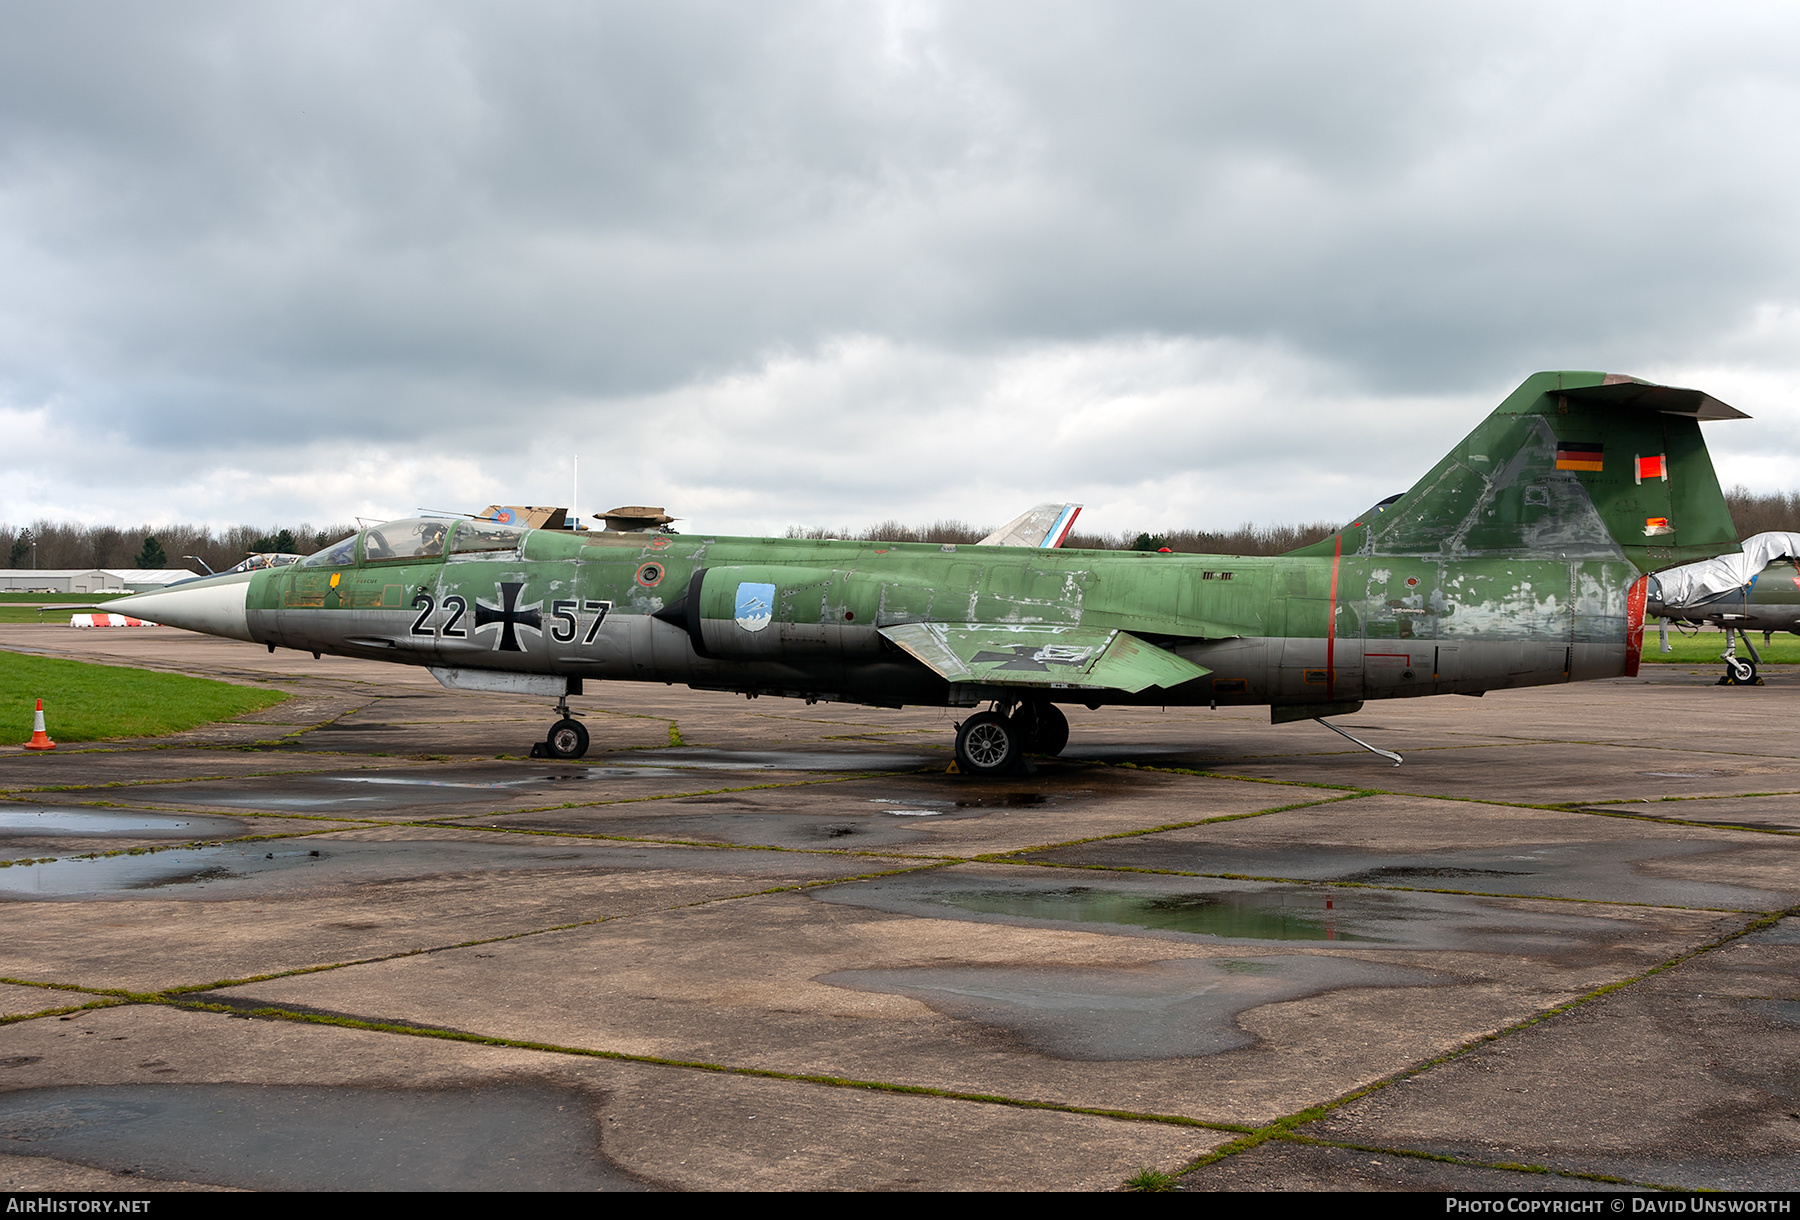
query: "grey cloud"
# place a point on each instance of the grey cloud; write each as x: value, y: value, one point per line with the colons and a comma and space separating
x: 228, y: 226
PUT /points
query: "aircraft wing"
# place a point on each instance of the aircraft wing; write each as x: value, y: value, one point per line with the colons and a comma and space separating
x: 1043, y: 527
x: 1097, y: 658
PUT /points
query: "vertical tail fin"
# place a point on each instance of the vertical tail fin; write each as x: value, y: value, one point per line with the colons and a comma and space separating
x: 1572, y: 465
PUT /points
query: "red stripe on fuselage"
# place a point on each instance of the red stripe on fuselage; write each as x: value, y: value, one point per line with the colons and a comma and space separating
x: 1634, y: 625
x: 1337, y: 553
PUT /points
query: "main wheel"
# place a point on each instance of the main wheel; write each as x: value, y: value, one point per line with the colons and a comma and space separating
x: 1045, y: 728
x: 987, y: 744
x: 1739, y: 672
x: 567, y: 739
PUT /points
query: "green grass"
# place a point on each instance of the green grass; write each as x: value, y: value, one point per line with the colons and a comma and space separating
x: 1150, y: 1181
x: 91, y: 702
x: 1705, y: 647
x: 58, y: 598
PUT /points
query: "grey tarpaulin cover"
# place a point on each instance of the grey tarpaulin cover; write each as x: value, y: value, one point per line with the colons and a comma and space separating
x: 1695, y: 582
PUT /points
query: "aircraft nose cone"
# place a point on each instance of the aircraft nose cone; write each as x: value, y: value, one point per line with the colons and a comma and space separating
x: 215, y: 606
x: 1653, y: 603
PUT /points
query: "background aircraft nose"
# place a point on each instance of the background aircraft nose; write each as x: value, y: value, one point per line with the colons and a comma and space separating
x: 214, y: 605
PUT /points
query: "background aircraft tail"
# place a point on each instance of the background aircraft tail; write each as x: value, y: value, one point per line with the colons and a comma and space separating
x: 1572, y: 465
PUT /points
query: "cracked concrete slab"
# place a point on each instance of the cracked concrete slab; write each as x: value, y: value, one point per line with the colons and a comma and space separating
x: 661, y: 1126
x: 949, y: 936
x: 1485, y: 848
x: 755, y: 988
x: 1690, y: 1078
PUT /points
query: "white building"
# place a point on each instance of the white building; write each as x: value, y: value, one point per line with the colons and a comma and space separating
x: 90, y: 580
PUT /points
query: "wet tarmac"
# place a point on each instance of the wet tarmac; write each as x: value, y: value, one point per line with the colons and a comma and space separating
x: 342, y: 944
x: 38, y: 821
x: 1163, y: 1010
x: 292, y: 1137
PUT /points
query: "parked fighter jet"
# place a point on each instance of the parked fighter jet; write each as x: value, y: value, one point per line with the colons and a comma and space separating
x: 1517, y: 561
x: 1755, y: 588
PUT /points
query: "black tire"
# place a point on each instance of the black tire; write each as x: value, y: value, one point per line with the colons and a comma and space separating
x: 567, y: 739
x: 1044, y: 727
x: 988, y: 744
x: 1740, y: 672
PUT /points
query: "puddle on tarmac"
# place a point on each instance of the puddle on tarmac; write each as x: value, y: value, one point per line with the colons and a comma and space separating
x: 1782, y: 1012
x: 796, y: 760
x: 293, y: 1137
x: 1237, y: 915
x: 414, y: 781
x: 179, y: 866
x: 263, y: 869
x: 913, y: 808
x: 354, y: 793
x: 1649, y: 868
x: 1409, y: 872
x: 1164, y: 1010
x: 46, y: 820
x: 851, y: 829
x: 1009, y: 800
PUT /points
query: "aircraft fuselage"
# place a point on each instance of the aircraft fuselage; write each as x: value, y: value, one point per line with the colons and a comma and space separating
x: 1276, y: 630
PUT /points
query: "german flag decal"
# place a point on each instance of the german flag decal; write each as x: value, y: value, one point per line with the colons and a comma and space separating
x: 1579, y: 455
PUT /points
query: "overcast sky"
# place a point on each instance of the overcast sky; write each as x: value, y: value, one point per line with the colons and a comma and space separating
x: 771, y: 264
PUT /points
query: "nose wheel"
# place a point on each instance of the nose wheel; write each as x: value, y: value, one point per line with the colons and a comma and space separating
x: 567, y: 738
x: 1739, y: 671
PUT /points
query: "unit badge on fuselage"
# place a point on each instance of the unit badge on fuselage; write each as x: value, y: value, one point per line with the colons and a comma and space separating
x: 755, y: 605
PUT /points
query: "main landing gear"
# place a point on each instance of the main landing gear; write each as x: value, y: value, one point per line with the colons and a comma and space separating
x: 1738, y: 670
x: 567, y: 738
x: 993, y: 743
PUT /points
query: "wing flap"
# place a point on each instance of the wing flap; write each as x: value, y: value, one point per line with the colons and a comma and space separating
x: 996, y: 654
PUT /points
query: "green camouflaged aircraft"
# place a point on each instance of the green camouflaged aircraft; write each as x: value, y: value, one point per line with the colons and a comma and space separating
x: 1517, y: 561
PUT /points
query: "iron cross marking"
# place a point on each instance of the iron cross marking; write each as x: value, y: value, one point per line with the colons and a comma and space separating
x: 509, y: 616
x: 1038, y: 657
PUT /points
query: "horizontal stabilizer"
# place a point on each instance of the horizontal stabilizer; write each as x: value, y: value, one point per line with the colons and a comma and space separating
x: 1043, y: 527
x: 1084, y: 658
x: 1622, y: 391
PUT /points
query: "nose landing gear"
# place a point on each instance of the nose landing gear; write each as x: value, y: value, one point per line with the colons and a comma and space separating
x: 1738, y: 670
x: 567, y: 738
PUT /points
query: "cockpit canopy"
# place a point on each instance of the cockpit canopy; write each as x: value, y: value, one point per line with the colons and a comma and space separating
x: 257, y: 561
x: 416, y: 539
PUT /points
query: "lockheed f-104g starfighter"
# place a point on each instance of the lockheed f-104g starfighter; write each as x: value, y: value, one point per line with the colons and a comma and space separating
x: 1519, y: 560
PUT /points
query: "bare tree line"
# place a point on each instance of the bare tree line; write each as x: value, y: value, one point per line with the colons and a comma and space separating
x: 64, y: 545
x: 1763, y: 512
x: 1247, y: 539
x: 1751, y: 513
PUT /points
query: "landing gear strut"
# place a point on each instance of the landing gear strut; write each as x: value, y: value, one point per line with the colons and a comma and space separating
x: 567, y: 739
x: 1738, y: 671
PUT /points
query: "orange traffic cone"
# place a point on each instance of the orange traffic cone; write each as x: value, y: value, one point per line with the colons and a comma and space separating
x: 40, y: 740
